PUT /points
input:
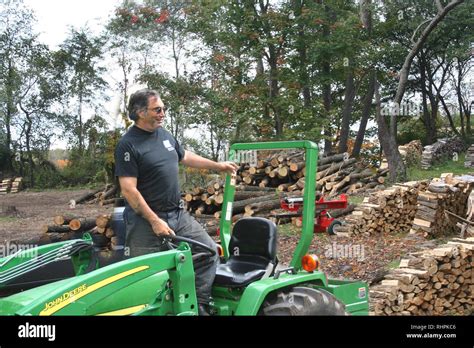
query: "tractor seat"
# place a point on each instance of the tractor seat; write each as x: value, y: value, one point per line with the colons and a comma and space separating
x: 252, y: 249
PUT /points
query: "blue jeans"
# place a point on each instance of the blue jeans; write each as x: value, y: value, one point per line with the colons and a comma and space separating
x: 141, y: 240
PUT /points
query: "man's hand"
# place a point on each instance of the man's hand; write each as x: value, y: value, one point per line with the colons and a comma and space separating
x: 229, y: 167
x: 161, y: 228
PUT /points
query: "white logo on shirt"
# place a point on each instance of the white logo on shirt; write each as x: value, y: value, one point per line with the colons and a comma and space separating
x: 168, y: 145
x: 126, y: 157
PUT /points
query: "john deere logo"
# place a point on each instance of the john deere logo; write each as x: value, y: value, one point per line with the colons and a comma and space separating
x: 66, y: 296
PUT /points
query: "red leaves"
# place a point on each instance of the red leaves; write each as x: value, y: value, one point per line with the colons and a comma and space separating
x: 164, y: 16
x: 143, y: 15
x: 219, y: 57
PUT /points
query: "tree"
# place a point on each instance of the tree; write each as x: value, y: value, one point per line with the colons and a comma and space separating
x: 80, y: 59
x: 15, y: 33
x: 37, y: 94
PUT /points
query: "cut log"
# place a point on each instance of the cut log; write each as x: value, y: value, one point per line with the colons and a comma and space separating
x: 55, y: 229
x: 63, y: 219
x: 103, y: 220
x: 82, y: 224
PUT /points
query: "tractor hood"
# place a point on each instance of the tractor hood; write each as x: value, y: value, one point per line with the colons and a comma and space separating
x: 12, y: 304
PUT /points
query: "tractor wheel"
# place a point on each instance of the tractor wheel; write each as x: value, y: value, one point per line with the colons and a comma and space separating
x: 302, y: 301
x: 332, y: 225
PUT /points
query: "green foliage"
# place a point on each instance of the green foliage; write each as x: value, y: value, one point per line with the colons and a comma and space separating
x: 242, y: 71
x: 46, y: 176
x: 410, y: 128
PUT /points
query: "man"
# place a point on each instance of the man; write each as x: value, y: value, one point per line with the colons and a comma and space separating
x: 146, y: 160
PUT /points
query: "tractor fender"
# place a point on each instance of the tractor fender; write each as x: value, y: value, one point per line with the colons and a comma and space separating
x: 255, y: 293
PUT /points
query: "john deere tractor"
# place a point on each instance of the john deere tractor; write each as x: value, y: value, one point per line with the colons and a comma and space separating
x: 68, y: 278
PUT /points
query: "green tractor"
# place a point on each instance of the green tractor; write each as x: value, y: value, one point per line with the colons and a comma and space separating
x: 249, y: 280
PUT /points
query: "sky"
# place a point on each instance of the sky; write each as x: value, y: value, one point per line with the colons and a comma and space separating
x: 54, y: 16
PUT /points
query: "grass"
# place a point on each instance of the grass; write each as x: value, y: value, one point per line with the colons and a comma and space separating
x: 6, y: 219
x: 288, y: 230
x: 355, y: 199
x: 448, y: 166
x: 68, y: 188
x: 394, y: 264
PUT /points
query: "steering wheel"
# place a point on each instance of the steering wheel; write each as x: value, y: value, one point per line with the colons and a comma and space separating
x: 211, y: 251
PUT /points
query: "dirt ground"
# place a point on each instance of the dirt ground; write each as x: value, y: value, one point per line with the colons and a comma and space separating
x: 359, y: 257
x: 36, y: 209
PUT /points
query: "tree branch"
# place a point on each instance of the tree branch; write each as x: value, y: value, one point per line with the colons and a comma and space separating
x: 439, y: 6
x: 418, y: 45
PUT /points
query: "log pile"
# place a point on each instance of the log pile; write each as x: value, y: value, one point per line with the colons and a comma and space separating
x: 438, y: 207
x: 17, y: 185
x: 469, y: 161
x: 248, y: 201
x: 388, y: 211
x: 438, y: 281
x: 67, y: 227
x: 467, y: 225
x: 443, y: 148
x: 285, y: 172
x: 5, y: 186
x: 102, y: 196
x: 411, y: 152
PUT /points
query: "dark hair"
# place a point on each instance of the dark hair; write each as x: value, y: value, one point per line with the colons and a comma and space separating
x: 139, y: 100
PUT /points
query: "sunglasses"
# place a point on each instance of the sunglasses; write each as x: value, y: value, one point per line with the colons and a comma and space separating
x: 159, y: 109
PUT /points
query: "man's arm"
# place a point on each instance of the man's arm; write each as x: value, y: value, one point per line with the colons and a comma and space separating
x: 139, y: 205
x: 190, y: 159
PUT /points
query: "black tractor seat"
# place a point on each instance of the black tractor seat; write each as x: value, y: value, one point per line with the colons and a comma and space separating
x: 252, y: 249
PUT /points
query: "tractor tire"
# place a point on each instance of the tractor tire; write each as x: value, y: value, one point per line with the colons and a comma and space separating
x: 332, y: 225
x: 302, y: 301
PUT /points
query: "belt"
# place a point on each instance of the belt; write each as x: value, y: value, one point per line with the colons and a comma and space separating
x: 181, y: 206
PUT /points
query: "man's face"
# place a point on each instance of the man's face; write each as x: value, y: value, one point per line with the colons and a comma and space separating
x: 154, y: 116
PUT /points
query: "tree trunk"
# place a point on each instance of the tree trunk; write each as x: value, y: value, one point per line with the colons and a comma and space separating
x: 388, y: 143
x: 9, y: 115
x: 425, y: 94
x: 80, y: 130
x: 366, y: 19
x: 302, y: 52
x: 448, y: 114
x: 347, y: 111
x: 366, y: 108
x: 459, y: 97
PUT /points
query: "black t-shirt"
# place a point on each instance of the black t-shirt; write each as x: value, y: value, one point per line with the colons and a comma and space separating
x: 152, y: 158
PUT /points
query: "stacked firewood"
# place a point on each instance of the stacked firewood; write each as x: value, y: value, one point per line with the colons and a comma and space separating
x: 411, y: 152
x: 17, y: 185
x: 438, y: 281
x: 388, y: 211
x: 439, y: 208
x: 467, y: 225
x: 5, y: 186
x: 469, y: 161
x: 67, y: 227
x: 102, y: 196
x: 443, y: 148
